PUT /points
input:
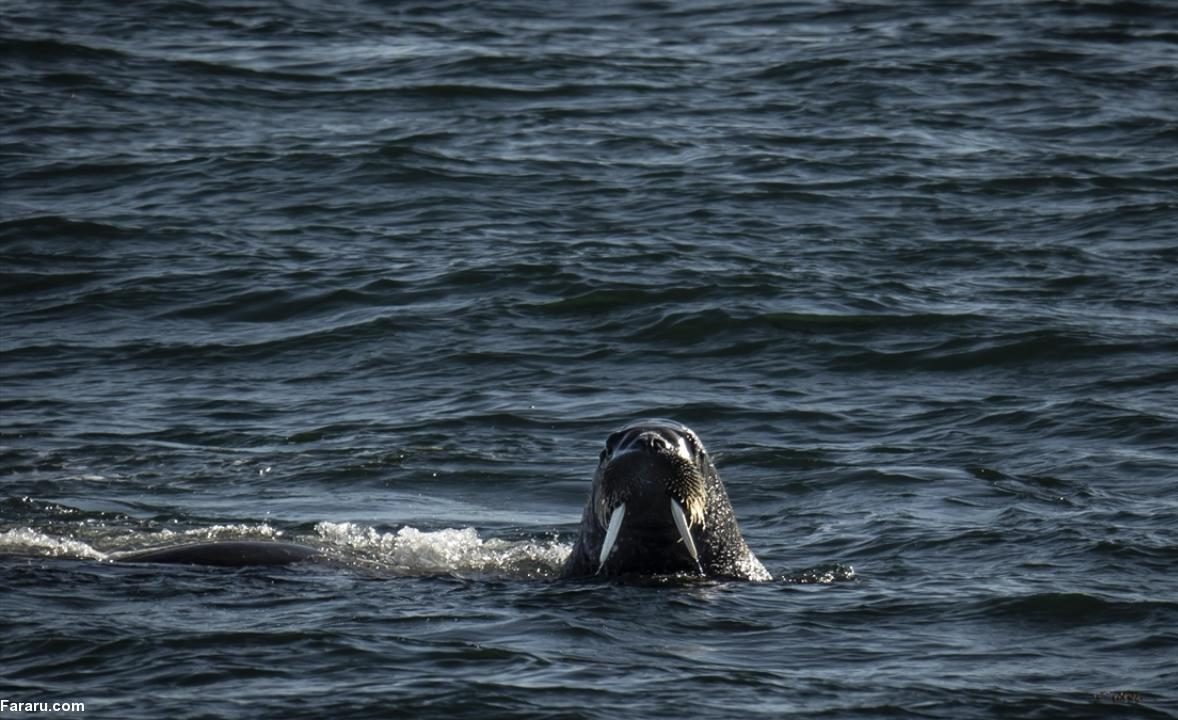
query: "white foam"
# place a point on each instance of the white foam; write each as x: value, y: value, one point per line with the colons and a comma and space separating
x: 26, y: 541
x: 447, y: 551
x: 238, y: 531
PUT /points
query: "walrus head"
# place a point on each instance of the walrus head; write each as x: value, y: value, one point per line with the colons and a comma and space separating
x: 658, y: 507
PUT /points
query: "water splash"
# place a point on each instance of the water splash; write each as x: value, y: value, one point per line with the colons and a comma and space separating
x: 826, y: 574
x: 457, y: 551
x: 26, y: 541
x: 407, y: 551
x: 234, y: 531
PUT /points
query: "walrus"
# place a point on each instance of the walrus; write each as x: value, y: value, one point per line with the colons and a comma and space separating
x: 658, y: 507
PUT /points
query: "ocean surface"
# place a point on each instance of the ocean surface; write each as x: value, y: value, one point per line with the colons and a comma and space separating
x: 380, y: 277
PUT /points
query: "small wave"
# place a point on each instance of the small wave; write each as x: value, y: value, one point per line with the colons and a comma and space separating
x: 26, y: 541
x: 1065, y: 609
x: 56, y: 227
x: 41, y: 49
x: 1011, y: 349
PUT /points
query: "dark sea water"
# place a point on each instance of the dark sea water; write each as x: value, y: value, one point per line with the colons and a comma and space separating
x: 381, y: 277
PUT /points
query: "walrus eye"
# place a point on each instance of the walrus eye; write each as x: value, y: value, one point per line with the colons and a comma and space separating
x: 611, y: 444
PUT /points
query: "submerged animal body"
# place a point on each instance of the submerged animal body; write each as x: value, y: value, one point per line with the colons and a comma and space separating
x: 658, y: 507
x: 228, y: 553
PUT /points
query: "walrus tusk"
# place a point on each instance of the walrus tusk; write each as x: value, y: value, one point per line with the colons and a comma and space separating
x: 611, y: 534
x: 684, y: 530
